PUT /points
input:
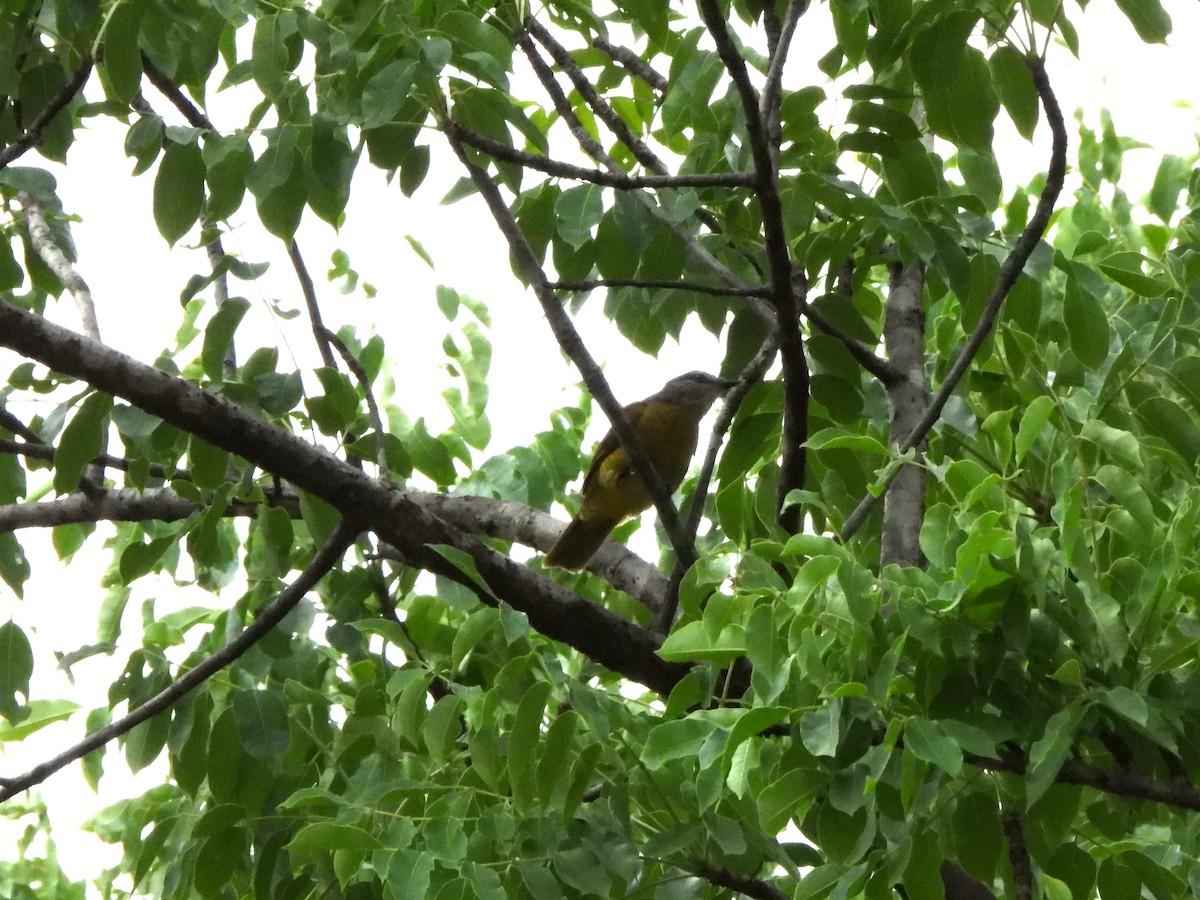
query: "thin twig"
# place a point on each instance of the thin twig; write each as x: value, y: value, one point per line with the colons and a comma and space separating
x: 321, y: 334
x: 32, y: 135
x: 592, y: 148
x: 1010, y: 271
x: 618, y: 180
x: 11, y: 423
x: 876, y: 365
x: 774, y: 82
x: 601, y: 107
x: 562, y: 105
x: 211, y: 236
x: 631, y: 62
x: 785, y: 289
x: 655, y: 284
x: 751, y: 375
x: 360, y: 374
x: 34, y: 448
x: 325, y: 559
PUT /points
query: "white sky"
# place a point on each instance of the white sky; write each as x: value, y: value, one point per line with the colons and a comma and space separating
x: 136, y: 281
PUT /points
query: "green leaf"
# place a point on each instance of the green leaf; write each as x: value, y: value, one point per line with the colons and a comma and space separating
x: 929, y: 741
x: 1149, y: 19
x: 218, y: 336
x: 122, y: 62
x: 1033, y: 420
x: 1014, y: 84
x: 465, y: 563
x: 978, y: 835
x: 442, y: 727
x: 1088, y: 325
x: 1050, y: 751
x: 40, y: 713
x: 820, y: 730
x: 675, y: 740
x: 16, y: 667
x: 524, y: 737
x: 1170, y: 421
x: 227, y: 160
x: 268, y: 56
x: 178, y: 190
x: 262, y: 722
x: 578, y: 211
x: 1119, y: 444
x: 1126, y: 270
x: 386, y: 92
x: 81, y: 441
x: 326, y: 836
x: 962, y: 110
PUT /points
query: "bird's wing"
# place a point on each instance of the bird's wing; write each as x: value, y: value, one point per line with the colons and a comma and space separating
x: 609, y: 443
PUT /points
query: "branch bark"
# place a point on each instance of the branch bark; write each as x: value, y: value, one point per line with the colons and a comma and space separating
x: 617, y: 180
x: 398, y: 519
x: 506, y: 520
x: 64, y: 270
x: 783, y: 286
x: 908, y: 397
x: 32, y: 135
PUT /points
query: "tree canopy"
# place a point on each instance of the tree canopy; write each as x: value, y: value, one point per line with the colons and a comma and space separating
x: 923, y: 622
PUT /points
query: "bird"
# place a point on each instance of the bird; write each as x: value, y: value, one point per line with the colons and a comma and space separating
x: 667, y: 424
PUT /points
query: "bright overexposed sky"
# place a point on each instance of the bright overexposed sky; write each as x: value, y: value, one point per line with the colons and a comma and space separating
x: 136, y: 279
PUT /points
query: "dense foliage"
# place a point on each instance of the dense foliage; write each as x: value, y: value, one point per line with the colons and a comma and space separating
x: 986, y: 684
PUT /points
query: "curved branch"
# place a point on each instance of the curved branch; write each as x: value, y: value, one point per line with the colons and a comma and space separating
x: 1010, y: 271
x: 325, y: 559
x: 617, y: 180
x: 32, y: 135
x: 396, y: 517
x: 169, y: 89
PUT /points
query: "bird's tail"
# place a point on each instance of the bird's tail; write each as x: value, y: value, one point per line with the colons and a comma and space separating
x: 577, y: 543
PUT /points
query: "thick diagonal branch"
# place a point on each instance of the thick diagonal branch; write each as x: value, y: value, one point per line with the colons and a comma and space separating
x: 398, y: 519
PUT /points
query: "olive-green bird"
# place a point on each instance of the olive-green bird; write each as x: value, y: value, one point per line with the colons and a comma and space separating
x: 668, y: 425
